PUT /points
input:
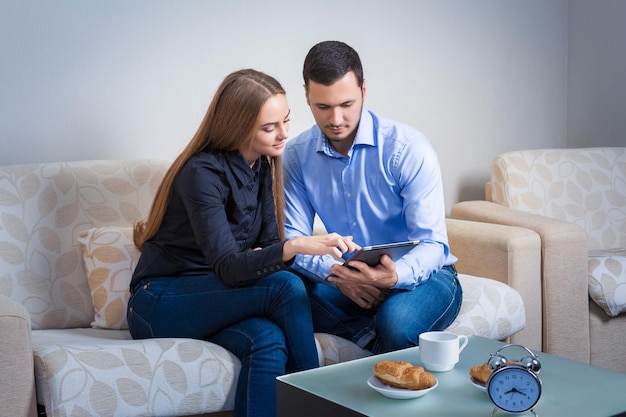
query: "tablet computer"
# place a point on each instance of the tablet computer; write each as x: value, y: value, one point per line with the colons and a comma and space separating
x: 371, y: 254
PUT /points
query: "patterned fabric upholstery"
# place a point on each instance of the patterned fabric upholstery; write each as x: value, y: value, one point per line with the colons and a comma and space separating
x: 582, y: 186
x: 489, y: 309
x: 65, y: 247
x: 110, y: 258
x: 95, y: 372
x: 44, y: 207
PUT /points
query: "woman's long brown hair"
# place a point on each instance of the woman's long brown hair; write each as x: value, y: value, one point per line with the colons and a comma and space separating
x: 228, y: 123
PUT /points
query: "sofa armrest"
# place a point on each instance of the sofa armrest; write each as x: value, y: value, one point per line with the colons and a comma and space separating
x: 507, y: 254
x: 17, y: 378
x: 564, y: 274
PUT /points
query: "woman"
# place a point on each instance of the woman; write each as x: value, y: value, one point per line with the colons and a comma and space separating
x: 214, y: 265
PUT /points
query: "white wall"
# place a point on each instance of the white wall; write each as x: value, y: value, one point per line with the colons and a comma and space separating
x: 597, y: 74
x: 87, y: 79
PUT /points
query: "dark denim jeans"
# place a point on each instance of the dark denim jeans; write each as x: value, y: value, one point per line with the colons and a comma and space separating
x: 398, y: 322
x: 267, y: 325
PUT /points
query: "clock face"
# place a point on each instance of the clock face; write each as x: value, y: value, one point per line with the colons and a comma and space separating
x: 514, y: 388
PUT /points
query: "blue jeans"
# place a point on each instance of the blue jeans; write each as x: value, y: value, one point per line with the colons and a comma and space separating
x: 397, y: 322
x: 267, y: 325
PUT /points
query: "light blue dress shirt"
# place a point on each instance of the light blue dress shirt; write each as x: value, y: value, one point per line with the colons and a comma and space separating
x: 388, y: 189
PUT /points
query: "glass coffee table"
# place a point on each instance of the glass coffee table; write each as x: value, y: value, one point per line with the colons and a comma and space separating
x: 569, y: 388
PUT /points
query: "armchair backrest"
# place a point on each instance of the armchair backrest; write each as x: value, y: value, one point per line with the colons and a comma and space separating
x: 585, y: 186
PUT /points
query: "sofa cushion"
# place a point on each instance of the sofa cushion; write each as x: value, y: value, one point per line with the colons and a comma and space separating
x: 106, y: 373
x: 607, y: 280
x: 336, y: 349
x: 110, y: 257
x: 489, y: 309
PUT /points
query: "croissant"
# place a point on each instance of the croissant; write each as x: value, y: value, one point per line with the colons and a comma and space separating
x: 480, y: 373
x: 401, y: 374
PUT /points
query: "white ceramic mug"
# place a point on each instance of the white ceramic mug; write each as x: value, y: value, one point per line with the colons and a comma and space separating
x: 439, y: 351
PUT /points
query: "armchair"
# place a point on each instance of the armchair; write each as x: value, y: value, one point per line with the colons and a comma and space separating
x: 575, y: 200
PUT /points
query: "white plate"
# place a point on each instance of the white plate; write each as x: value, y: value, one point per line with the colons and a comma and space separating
x: 478, y: 384
x: 398, y: 393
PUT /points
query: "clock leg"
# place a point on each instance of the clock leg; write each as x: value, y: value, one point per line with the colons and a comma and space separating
x: 495, y: 410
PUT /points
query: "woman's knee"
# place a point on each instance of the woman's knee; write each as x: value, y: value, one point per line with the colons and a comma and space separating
x: 254, y: 337
x: 288, y: 282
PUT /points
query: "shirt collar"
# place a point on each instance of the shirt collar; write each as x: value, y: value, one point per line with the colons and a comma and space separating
x: 241, y: 168
x: 365, y: 131
x: 364, y: 136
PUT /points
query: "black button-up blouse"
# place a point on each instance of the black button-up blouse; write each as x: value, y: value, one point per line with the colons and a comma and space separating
x: 219, y: 210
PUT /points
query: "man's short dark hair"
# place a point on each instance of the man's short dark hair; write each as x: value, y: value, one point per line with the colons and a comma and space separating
x: 329, y: 61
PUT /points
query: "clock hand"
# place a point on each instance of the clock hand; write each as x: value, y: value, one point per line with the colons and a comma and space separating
x: 516, y: 391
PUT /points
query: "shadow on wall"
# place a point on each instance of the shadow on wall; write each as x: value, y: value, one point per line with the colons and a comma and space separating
x: 472, y: 187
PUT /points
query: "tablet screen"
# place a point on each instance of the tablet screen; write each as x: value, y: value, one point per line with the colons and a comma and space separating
x: 371, y: 254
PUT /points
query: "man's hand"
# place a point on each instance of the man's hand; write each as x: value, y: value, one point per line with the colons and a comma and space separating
x: 382, y: 275
x: 365, y: 296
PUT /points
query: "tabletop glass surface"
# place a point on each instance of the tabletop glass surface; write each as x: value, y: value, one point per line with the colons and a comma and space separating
x: 569, y: 388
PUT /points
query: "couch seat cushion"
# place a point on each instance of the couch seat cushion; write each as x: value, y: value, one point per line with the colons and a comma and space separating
x: 336, y: 349
x: 106, y: 373
x: 607, y: 280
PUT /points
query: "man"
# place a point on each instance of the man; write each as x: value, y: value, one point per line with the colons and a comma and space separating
x: 379, y: 181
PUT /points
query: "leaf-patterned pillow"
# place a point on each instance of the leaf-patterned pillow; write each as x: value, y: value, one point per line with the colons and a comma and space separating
x: 110, y: 258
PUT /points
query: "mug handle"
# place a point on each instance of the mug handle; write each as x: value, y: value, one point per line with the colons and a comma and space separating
x: 462, y: 342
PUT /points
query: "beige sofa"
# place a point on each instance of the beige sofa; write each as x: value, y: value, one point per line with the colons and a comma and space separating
x: 575, y: 199
x: 66, y: 257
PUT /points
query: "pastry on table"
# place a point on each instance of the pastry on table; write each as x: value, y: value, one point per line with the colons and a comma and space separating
x: 480, y: 373
x: 402, y: 374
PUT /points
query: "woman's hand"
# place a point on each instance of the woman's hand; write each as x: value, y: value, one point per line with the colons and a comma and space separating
x: 331, y: 244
